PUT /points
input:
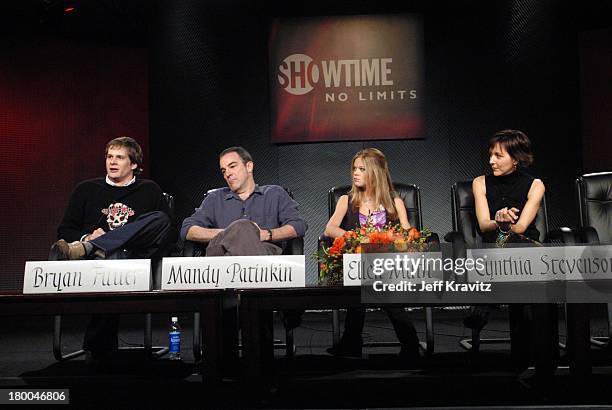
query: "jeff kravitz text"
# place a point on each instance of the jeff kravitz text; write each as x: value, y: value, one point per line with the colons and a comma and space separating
x: 437, y: 286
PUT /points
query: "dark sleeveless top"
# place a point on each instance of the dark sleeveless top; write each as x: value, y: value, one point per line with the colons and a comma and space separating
x: 509, y: 191
x: 351, y: 219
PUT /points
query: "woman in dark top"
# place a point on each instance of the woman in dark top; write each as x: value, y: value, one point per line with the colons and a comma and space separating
x: 507, y: 202
x: 371, y: 202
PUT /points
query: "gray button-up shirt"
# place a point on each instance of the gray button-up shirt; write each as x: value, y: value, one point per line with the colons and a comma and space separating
x: 269, y: 206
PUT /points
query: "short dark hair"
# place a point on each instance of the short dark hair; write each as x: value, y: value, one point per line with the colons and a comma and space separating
x: 516, y: 144
x: 242, y: 153
x: 134, y: 150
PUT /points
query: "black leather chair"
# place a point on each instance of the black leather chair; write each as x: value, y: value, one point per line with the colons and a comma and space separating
x: 153, y: 351
x: 594, y: 195
x: 294, y: 246
x: 411, y: 195
x: 466, y: 234
x: 594, y: 206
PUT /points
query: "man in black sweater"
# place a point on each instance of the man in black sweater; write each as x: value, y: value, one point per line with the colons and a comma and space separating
x: 111, y: 216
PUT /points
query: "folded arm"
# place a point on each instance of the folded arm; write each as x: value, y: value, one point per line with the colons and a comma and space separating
x: 332, y: 229
x: 530, y: 210
x: 507, y: 219
x: 198, y: 227
x: 291, y: 223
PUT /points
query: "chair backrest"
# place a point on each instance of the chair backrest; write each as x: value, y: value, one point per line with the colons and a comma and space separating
x: 464, y: 215
x: 594, y: 193
x: 410, y: 194
x: 170, y: 200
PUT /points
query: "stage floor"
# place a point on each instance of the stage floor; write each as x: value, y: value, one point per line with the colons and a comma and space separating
x: 451, y: 377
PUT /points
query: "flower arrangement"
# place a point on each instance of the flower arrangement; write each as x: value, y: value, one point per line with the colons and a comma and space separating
x: 389, y: 238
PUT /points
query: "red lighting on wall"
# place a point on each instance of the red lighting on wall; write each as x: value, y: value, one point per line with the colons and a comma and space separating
x: 69, y: 9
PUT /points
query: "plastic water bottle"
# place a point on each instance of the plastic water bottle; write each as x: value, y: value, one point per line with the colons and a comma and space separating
x: 174, y: 336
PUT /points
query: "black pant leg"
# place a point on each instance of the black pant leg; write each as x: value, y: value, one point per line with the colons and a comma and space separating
x: 142, y: 238
x: 545, y: 325
x: 353, y: 326
x: 520, y: 337
x: 404, y: 328
x: 101, y: 334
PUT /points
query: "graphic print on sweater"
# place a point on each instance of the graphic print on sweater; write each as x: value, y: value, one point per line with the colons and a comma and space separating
x: 117, y: 215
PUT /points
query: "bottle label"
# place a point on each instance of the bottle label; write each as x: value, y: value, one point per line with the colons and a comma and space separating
x: 175, y: 342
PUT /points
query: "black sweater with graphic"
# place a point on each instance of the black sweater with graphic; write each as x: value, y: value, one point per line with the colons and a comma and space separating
x: 96, y: 204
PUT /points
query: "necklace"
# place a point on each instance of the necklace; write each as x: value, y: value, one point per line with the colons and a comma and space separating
x: 502, y: 238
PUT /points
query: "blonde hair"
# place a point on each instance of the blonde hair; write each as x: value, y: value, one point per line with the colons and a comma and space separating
x: 378, y: 178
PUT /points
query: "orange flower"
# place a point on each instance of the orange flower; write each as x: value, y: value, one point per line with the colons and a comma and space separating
x: 365, y: 239
x: 350, y: 234
x: 413, y: 234
x: 380, y: 237
x: 337, y: 246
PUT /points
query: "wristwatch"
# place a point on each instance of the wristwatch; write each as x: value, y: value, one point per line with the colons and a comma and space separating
x: 269, y: 234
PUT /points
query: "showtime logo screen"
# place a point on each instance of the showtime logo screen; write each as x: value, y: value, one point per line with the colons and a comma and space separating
x: 346, y: 78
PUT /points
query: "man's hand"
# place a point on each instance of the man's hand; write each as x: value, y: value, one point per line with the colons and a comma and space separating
x: 264, y: 234
x: 281, y: 233
x: 95, y: 234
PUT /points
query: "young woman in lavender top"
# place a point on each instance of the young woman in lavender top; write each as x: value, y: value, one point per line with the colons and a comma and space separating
x: 371, y: 202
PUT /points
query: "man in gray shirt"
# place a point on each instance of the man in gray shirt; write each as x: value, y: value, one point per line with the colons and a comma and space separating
x: 244, y: 218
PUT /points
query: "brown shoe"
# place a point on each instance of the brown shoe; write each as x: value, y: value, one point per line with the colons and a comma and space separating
x: 63, y: 251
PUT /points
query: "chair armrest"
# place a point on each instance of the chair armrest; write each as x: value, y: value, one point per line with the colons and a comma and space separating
x: 565, y: 234
x: 458, y: 244
x: 294, y: 246
x: 324, y: 240
x: 571, y: 236
x: 191, y: 248
x: 589, y: 235
x: 434, y: 242
x: 454, y: 237
x: 433, y: 238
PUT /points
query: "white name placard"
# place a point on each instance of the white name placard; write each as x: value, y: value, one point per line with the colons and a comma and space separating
x: 537, y: 264
x: 87, y: 276
x: 390, y: 267
x: 233, y: 272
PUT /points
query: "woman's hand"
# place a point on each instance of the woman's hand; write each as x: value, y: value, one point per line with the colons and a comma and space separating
x: 506, y: 217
